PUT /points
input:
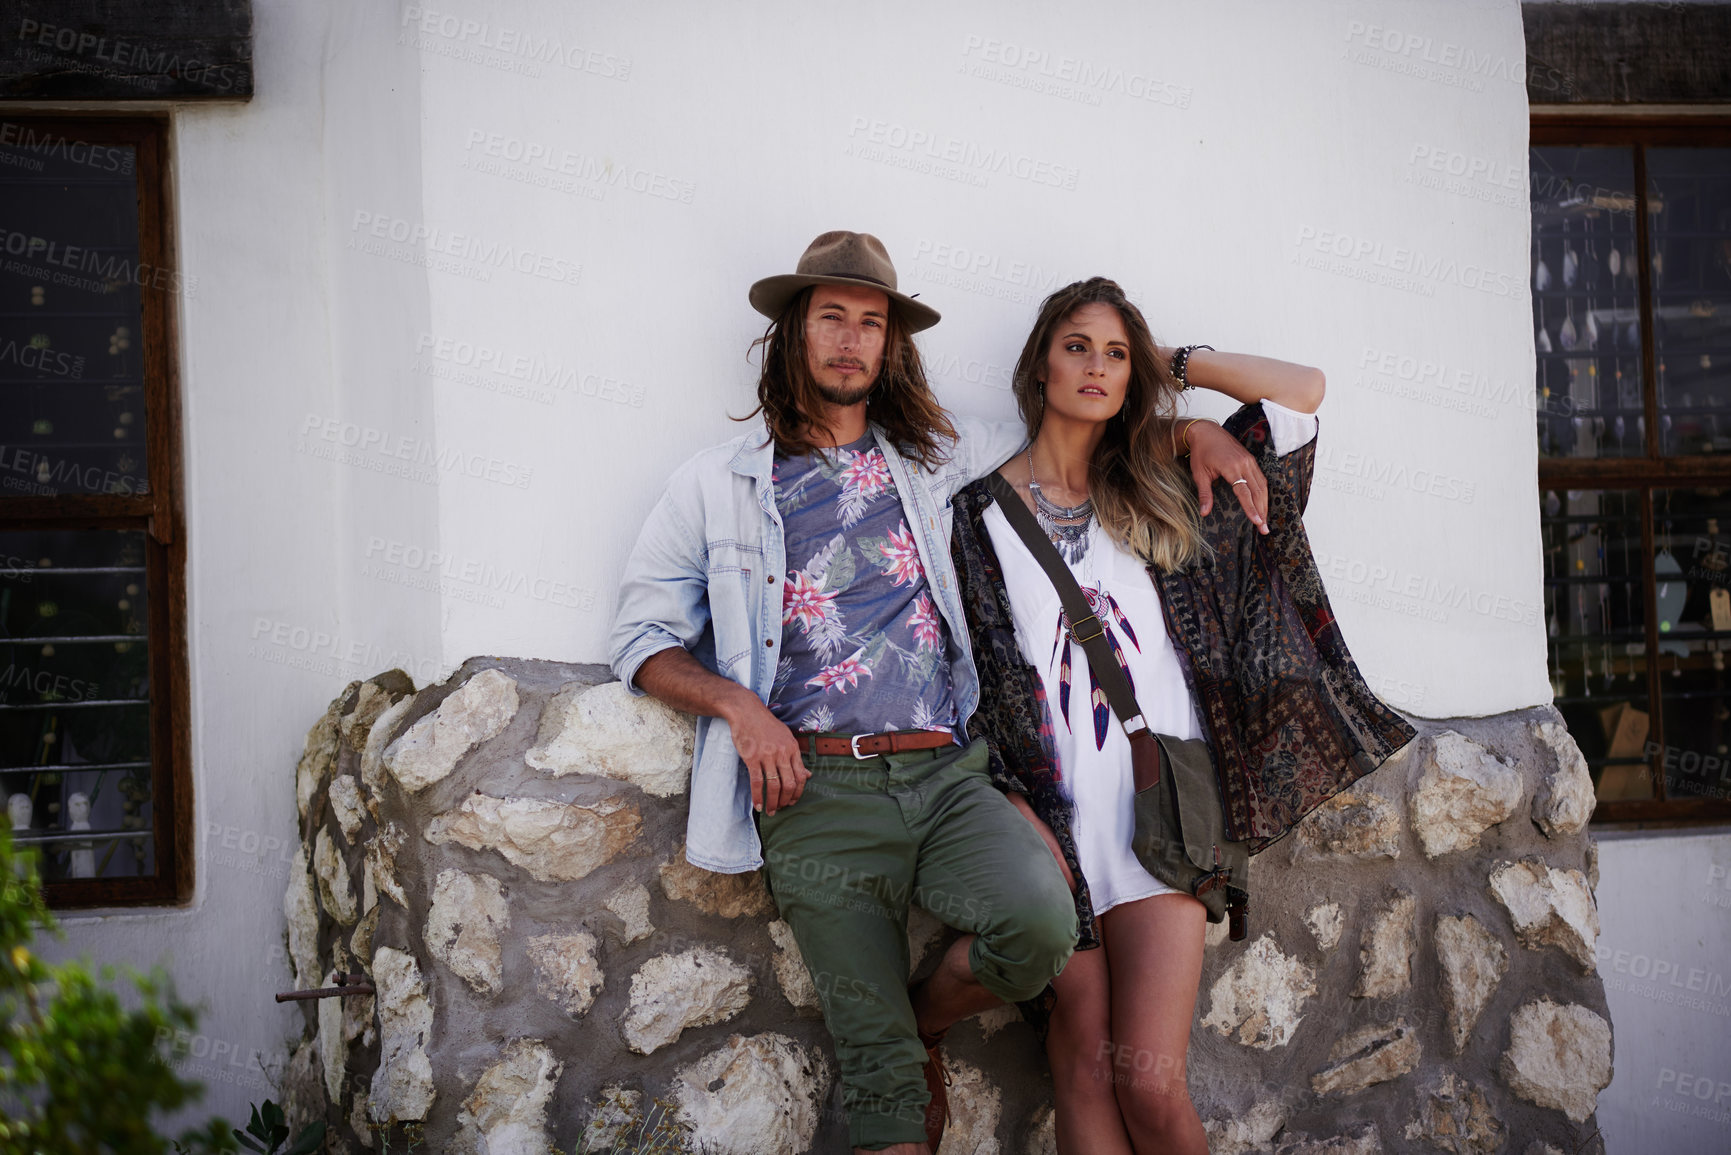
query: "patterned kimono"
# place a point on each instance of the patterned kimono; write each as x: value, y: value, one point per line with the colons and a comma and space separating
x: 1288, y: 720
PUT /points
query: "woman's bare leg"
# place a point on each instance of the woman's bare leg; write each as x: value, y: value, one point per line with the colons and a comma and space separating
x: 1079, y: 1049
x: 1154, y: 951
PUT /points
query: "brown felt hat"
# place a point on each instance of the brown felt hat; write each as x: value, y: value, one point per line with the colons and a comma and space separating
x: 841, y: 258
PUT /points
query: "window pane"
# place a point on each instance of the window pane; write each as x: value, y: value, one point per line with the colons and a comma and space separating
x: 1586, y: 303
x: 75, y: 700
x: 1689, y: 191
x: 1692, y: 587
x: 1596, y: 620
x: 71, y: 366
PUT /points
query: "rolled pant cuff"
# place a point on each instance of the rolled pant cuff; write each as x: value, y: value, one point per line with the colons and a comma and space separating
x: 875, y: 1131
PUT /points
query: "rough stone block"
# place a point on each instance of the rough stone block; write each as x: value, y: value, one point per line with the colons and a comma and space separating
x: 300, y: 906
x: 1559, y: 1056
x: 670, y: 992
x: 1370, y: 1055
x: 1259, y: 1001
x: 1326, y: 923
x: 318, y: 755
x: 1385, y: 952
x: 726, y: 895
x: 464, y: 925
x: 1458, y: 1118
x: 566, y: 970
x: 346, y: 804
x: 631, y: 905
x: 1462, y: 791
x: 429, y: 750
x: 402, y: 1088
x: 791, y: 973
x: 554, y: 841
x: 975, y: 1107
x: 1565, y: 799
x: 1359, y: 824
x: 753, y: 1094
x: 608, y: 731
x: 1550, y: 907
x: 506, y: 1113
x: 1473, y: 962
x: 336, y: 893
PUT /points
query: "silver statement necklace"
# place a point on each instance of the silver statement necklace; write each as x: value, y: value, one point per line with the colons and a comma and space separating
x: 1066, y: 525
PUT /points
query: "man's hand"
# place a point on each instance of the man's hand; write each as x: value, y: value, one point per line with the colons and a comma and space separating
x: 770, y: 753
x: 768, y: 748
x: 1216, y: 453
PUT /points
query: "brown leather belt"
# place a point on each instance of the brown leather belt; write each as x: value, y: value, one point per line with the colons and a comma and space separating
x: 871, y: 745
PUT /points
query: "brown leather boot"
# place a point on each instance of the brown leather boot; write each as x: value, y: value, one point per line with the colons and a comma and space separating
x: 938, y: 1110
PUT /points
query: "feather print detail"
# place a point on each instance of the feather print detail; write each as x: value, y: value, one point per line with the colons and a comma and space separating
x: 1123, y: 662
x: 1064, y: 684
x: 1102, y: 710
x: 1118, y: 616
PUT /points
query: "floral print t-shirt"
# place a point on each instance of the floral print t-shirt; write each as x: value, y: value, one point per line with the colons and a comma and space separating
x: 863, y: 643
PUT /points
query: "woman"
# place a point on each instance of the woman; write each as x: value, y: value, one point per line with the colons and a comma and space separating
x: 1220, y: 621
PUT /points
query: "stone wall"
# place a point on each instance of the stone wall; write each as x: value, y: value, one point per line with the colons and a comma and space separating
x: 501, y: 853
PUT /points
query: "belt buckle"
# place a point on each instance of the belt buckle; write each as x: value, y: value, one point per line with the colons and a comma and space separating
x: 853, y: 744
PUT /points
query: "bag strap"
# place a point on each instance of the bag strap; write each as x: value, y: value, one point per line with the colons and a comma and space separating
x: 1145, y: 752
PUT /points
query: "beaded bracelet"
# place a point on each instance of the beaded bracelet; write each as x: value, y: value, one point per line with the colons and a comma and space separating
x: 1182, y: 358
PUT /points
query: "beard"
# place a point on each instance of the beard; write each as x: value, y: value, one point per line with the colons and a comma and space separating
x: 845, y: 394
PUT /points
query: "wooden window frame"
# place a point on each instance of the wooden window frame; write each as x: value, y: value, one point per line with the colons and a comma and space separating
x: 159, y: 514
x: 1640, y: 129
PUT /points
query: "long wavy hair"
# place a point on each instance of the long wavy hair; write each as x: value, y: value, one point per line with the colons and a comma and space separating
x: 1143, y: 494
x: 901, y: 402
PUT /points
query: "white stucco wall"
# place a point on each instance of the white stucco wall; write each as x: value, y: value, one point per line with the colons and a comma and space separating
x: 1258, y: 175
x: 1665, y: 954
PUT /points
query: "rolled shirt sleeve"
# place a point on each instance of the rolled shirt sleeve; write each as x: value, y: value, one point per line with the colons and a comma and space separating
x: 664, y: 593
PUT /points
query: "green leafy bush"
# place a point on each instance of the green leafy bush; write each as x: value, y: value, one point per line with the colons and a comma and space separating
x: 80, y: 1072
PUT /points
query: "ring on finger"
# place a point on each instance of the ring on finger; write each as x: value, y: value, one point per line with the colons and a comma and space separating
x: 1241, y: 481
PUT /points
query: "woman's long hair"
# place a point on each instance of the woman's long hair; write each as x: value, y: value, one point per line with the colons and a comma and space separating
x: 901, y: 402
x: 1142, y: 494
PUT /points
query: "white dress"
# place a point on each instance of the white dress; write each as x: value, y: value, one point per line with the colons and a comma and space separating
x: 1094, y: 755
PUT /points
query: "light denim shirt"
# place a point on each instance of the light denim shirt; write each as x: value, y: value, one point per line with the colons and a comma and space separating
x: 706, y: 574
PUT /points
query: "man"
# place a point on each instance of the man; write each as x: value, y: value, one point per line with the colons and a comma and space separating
x: 833, y: 519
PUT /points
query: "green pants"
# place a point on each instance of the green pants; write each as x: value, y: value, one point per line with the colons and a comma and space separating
x: 866, y: 839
